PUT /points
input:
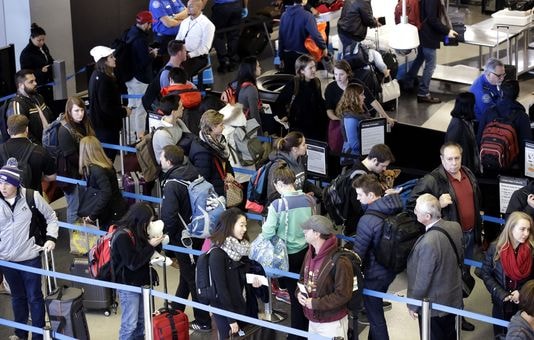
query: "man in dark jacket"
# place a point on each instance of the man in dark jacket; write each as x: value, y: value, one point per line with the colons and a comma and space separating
x: 508, y: 109
x: 296, y: 24
x: 378, y: 159
x: 522, y: 200
x: 356, y: 17
x: 367, y: 240
x: 141, y: 60
x: 31, y: 104
x: 431, y: 34
x: 175, y: 211
x: 459, y: 197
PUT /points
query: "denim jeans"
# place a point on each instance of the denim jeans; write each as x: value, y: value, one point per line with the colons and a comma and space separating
x: 73, y: 202
x: 378, y: 329
x: 469, y: 243
x: 26, y: 296
x: 132, y: 321
x: 428, y: 56
x: 345, y: 40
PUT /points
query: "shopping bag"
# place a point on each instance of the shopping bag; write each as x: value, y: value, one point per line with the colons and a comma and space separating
x: 81, y: 242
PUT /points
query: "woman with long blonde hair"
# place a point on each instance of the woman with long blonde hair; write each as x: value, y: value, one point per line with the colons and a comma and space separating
x: 351, y: 110
x: 508, y: 266
x: 106, y: 205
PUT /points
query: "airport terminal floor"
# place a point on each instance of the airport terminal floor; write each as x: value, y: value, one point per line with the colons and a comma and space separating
x: 400, y: 325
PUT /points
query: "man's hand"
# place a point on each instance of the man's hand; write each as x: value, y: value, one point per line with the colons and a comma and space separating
x: 45, y: 68
x: 452, y: 34
x: 413, y: 314
x: 49, y: 246
x: 234, y: 328
x: 445, y: 200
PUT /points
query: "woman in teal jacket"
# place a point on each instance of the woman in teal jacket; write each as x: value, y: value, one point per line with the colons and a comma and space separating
x: 284, y: 217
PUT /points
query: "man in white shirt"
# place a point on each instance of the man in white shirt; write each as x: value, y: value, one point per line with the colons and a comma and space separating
x: 197, y: 31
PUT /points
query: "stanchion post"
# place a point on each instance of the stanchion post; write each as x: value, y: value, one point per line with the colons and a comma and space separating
x: 425, y: 320
x: 269, y: 314
x: 60, y: 80
x: 47, y: 333
x: 458, y: 327
x: 147, y: 311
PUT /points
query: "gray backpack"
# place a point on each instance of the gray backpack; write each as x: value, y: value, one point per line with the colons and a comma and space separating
x: 247, y: 148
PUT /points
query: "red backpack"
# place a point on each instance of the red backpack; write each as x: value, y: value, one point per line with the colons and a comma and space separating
x: 499, y: 146
x: 412, y: 12
x: 100, y: 266
x: 229, y: 95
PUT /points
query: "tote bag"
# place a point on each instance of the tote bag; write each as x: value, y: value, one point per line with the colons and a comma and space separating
x: 272, y: 253
x: 390, y: 90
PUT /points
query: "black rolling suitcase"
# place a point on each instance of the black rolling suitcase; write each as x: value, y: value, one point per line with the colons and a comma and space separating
x: 94, y: 297
x: 65, y: 307
x: 511, y: 70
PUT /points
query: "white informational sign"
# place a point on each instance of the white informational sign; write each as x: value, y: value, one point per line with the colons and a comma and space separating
x: 372, y: 132
x: 317, y: 158
x: 507, y: 186
x: 529, y: 159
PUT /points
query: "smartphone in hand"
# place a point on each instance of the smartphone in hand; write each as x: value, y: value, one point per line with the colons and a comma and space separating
x: 302, y: 289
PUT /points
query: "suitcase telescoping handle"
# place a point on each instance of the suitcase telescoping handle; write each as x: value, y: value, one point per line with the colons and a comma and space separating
x: 507, y: 28
x: 50, y: 262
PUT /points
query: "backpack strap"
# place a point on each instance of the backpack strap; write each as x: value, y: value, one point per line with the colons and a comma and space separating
x: 121, y: 265
x: 376, y: 213
x: 444, y: 232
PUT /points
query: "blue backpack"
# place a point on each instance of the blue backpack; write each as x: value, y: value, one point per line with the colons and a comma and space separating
x: 257, y: 189
x: 206, y: 207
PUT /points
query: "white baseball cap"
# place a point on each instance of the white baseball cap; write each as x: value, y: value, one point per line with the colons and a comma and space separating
x: 99, y: 52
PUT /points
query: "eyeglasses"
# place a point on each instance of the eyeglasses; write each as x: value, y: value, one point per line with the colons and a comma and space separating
x: 499, y: 75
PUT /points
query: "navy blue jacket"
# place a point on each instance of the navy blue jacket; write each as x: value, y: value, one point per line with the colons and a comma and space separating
x: 369, y: 232
x: 296, y: 24
x: 203, y: 158
x: 141, y: 60
x: 432, y: 30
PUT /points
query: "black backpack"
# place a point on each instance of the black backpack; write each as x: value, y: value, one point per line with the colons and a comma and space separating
x: 359, y: 59
x: 152, y: 94
x: 355, y: 304
x: 336, y: 196
x: 206, y: 293
x: 399, y: 234
x: 22, y: 163
x: 38, y: 223
x: 123, y: 55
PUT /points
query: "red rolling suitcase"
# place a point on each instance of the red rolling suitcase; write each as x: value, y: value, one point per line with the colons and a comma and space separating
x: 168, y: 323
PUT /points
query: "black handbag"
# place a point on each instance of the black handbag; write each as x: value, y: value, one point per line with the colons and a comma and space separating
x: 468, y: 281
x: 88, y: 198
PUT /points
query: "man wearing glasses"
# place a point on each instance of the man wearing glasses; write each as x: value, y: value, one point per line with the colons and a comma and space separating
x: 486, y: 87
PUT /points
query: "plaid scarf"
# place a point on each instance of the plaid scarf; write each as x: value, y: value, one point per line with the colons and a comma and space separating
x: 236, y: 249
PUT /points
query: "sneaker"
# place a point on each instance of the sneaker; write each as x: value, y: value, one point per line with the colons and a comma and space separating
x: 386, y: 305
x: 282, y: 295
x: 362, y: 319
x: 194, y: 325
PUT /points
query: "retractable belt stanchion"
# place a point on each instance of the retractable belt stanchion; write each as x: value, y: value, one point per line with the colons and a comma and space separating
x: 269, y: 313
x: 458, y: 322
x: 425, y: 320
x: 147, y: 311
x: 47, y: 333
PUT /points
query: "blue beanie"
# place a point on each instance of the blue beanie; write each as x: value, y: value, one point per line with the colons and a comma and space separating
x: 10, y: 173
